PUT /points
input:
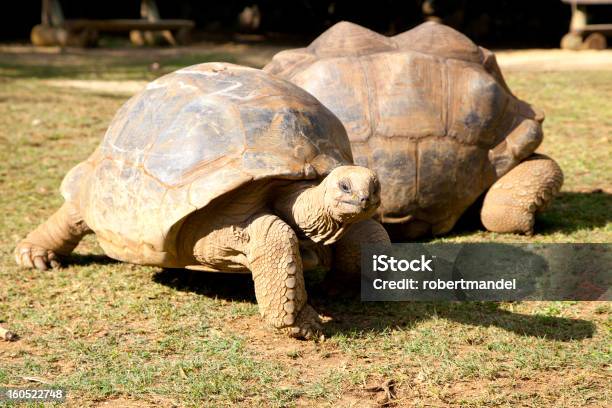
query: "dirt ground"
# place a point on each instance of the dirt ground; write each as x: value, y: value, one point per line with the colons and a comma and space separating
x: 120, y: 335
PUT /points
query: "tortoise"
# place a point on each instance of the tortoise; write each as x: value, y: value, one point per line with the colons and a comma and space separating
x: 218, y: 167
x: 430, y: 112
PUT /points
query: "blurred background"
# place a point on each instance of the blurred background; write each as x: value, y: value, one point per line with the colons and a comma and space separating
x: 495, y: 24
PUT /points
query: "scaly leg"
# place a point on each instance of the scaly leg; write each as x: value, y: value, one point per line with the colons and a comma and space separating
x: 273, y: 255
x: 511, y: 203
x: 345, y: 274
x: 519, y: 144
x: 59, y: 235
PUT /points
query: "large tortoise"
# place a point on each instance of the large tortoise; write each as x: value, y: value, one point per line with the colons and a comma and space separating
x: 430, y: 112
x: 218, y: 167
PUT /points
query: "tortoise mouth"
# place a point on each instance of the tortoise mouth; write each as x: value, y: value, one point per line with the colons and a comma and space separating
x: 363, y: 206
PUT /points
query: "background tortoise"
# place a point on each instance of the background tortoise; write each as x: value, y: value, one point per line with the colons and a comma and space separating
x: 220, y: 168
x: 430, y: 112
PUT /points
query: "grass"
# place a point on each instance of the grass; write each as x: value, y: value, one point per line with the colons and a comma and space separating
x: 129, y: 335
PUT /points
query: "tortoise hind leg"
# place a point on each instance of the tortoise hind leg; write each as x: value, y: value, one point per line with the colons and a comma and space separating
x: 511, y: 203
x: 59, y: 235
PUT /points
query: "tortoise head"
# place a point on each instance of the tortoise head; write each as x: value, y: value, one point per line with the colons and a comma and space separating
x: 352, y: 193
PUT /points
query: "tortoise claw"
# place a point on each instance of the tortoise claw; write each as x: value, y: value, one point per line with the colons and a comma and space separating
x: 307, y: 325
x: 29, y: 255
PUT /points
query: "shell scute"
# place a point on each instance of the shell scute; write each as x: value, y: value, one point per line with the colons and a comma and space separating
x: 191, y: 137
x: 429, y: 93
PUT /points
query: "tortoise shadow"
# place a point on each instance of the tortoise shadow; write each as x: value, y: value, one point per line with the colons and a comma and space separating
x: 76, y: 259
x: 228, y: 286
x: 573, y: 211
x: 351, y: 317
x: 356, y: 316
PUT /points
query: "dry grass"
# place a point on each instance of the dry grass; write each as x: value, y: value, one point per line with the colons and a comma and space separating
x: 123, y: 335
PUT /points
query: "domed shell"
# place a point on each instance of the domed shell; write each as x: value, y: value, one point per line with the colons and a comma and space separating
x: 423, y: 109
x: 190, y: 137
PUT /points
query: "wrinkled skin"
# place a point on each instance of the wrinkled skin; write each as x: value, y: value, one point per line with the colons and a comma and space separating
x: 241, y: 233
x: 181, y: 191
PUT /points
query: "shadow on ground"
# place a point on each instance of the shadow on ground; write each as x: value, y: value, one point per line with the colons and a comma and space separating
x: 76, y: 259
x: 88, y: 67
x: 352, y: 317
x: 230, y: 286
x: 356, y: 316
x: 571, y: 211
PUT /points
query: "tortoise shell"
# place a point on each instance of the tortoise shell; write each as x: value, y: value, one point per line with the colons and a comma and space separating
x: 424, y: 109
x: 190, y: 137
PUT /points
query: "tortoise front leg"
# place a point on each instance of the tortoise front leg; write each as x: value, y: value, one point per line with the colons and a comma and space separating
x: 273, y: 256
x: 345, y: 274
x: 511, y: 203
x: 59, y: 235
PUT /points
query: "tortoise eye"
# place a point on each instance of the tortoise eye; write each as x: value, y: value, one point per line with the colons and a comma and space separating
x: 344, y: 186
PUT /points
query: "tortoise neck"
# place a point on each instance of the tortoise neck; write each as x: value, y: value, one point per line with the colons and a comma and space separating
x: 303, y: 207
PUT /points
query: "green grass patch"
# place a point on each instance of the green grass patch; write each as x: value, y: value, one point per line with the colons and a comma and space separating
x: 112, y: 332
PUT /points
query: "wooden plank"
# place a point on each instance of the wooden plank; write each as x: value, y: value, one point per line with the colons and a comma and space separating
x: 127, y: 24
x: 594, y: 28
x: 587, y: 1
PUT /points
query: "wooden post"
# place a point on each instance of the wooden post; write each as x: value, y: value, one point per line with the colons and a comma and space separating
x: 573, y: 39
x: 579, y: 18
x: 150, y: 12
x: 51, y: 13
x: 44, y: 14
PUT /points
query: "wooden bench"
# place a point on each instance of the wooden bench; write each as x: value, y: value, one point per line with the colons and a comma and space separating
x: 583, y: 35
x: 150, y: 29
